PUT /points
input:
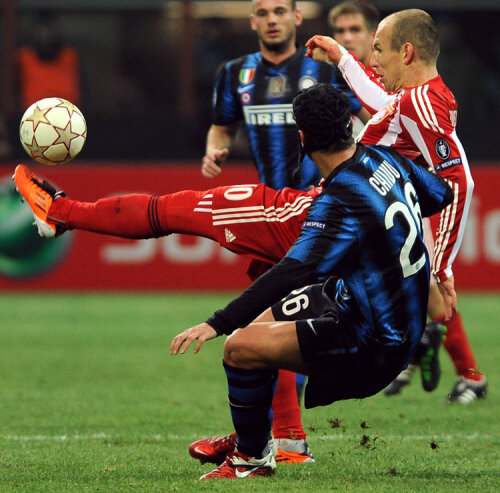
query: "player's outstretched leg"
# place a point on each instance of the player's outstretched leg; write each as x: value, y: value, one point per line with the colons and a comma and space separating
x: 134, y: 216
x: 39, y: 194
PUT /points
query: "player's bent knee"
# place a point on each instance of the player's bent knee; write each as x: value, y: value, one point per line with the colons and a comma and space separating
x: 231, y: 349
x: 236, y: 353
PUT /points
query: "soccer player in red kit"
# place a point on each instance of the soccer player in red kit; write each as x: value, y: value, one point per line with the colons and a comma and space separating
x: 415, y: 113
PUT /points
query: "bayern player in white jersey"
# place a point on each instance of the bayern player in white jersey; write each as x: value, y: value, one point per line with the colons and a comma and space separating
x: 414, y: 112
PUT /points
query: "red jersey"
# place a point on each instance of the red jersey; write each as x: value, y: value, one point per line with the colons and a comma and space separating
x: 419, y: 122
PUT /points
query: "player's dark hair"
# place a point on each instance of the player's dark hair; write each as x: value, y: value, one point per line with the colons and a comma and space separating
x: 323, y: 113
x: 416, y: 26
x: 367, y: 10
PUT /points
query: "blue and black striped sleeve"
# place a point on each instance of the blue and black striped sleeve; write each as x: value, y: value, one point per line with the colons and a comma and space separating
x: 433, y: 192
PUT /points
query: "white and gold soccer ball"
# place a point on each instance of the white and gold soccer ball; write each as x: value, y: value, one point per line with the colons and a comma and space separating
x: 53, y: 131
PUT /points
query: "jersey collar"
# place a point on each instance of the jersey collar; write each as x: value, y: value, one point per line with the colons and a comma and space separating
x: 354, y: 159
x: 299, y: 53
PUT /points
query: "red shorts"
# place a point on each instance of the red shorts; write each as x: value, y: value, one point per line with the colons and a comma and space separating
x: 256, y: 220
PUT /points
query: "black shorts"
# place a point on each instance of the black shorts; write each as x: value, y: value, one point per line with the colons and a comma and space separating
x: 342, y: 367
x: 308, y: 302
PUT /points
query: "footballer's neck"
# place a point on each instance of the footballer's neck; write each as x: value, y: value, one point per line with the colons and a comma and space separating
x: 328, y: 161
x: 276, y: 56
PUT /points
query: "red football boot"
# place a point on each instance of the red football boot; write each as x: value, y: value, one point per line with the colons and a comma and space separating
x: 240, y: 466
x: 214, y: 449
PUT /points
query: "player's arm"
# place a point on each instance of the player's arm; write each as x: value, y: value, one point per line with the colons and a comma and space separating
x: 226, y: 114
x: 361, y: 80
x: 271, y: 287
x: 363, y: 114
x: 219, y: 140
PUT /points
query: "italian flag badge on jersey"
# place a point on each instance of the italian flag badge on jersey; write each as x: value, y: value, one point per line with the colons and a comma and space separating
x: 246, y: 75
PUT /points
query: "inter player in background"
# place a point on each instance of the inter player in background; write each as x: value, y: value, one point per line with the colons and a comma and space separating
x: 414, y: 112
x: 257, y: 89
x: 363, y: 236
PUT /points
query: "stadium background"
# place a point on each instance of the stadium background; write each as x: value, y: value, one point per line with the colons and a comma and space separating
x: 147, y: 69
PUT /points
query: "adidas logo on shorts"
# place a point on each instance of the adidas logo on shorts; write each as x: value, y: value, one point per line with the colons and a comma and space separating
x: 229, y: 236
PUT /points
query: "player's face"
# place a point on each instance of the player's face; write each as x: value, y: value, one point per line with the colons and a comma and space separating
x: 352, y: 33
x: 275, y: 23
x: 387, y: 62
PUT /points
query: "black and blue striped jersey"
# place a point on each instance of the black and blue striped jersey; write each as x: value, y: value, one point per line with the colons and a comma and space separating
x: 366, y: 228
x: 253, y: 90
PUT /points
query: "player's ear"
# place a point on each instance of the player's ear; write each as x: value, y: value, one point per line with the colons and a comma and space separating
x: 252, y: 22
x: 298, y: 17
x: 302, y: 138
x: 407, y: 53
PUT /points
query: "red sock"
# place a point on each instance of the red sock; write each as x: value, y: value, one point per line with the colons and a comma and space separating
x: 135, y: 215
x: 458, y: 347
x: 286, y: 409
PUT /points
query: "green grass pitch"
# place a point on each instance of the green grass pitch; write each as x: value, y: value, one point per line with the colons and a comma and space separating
x: 91, y: 400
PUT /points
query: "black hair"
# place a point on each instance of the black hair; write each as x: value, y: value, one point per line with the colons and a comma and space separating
x: 323, y: 113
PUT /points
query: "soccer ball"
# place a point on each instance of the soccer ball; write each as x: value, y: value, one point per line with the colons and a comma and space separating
x: 52, y: 131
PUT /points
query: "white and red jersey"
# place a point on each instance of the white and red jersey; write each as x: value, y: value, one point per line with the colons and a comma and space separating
x: 419, y: 122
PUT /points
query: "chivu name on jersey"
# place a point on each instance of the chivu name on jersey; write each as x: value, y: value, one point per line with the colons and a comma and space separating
x: 384, y: 177
x: 269, y: 114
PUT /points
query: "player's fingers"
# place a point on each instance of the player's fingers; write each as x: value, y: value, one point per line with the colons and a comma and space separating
x: 209, y: 169
x: 311, y: 42
x: 454, y: 302
x: 320, y: 55
x: 176, y: 343
x: 198, y: 345
x: 205, y: 172
x: 221, y: 155
x: 214, y: 170
x: 324, y: 42
x: 448, y: 302
x: 187, y: 343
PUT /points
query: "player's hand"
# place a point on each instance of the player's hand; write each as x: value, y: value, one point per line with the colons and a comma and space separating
x: 200, y: 333
x: 447, y: 289
x: 210, y: 164
x: 324, y: 49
